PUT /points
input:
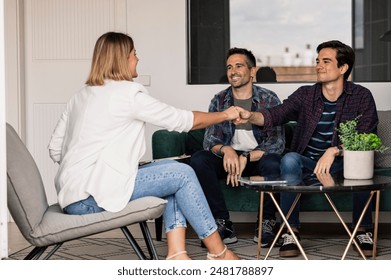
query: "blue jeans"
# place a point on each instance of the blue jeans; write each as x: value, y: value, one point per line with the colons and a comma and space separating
x: 294, y: 165
x: 210, y: 170
x: 173, y: 181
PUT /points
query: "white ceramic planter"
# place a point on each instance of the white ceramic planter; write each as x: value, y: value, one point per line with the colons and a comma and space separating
x: 358, y: 164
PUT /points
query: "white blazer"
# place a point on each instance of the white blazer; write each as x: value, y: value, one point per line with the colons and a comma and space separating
x: 100, y: 138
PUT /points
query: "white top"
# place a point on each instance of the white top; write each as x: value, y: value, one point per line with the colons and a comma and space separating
x: 100, y: 139
x: 243, y: 140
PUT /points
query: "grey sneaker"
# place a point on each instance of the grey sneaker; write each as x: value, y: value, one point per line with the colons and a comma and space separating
x: 268, y: 234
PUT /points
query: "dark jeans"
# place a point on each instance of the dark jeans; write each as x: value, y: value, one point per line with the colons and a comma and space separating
x: 294, y: 165
x: 209, y: 169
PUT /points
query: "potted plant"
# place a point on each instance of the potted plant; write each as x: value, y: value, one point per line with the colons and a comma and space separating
x: 359, y: 150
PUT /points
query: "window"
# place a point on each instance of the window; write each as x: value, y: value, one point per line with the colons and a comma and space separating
x: 284, y: 34
x: 208, y: 40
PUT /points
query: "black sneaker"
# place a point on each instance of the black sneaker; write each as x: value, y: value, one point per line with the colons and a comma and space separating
x: 364, y: 240
x: 226, y: 231
x: 268, y: 234
x: 289, y: 247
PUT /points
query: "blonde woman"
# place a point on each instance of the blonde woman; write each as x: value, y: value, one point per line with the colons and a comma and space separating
x: 99, y: 141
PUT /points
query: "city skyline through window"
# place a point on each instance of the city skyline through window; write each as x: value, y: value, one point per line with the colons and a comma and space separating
x: 286, y: 33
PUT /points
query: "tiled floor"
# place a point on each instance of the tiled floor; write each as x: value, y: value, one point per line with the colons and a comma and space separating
x: 17, y: 242
x: 323, y: 241
x: 245, y: 230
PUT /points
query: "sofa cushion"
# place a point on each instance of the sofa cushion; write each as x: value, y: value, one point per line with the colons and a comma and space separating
x: 383, y: 160
x: 168, y: 143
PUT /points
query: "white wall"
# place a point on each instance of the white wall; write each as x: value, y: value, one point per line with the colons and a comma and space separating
x: 161, y: 46
x: 3, y: 180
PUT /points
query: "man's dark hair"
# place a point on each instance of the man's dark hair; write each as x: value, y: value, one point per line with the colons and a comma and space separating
x: 250, y: 58
x: 345, y: 54
x: 266, y: 74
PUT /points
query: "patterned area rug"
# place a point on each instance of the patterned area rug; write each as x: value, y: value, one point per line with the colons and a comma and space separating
x: 120, y: 249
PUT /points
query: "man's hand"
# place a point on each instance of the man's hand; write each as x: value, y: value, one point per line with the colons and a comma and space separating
x: 324, y: 163
x: 234, y: 178
x: 242, y: 165
x: 231, y: 165
x: 325, y: 179
x: 243, y: 117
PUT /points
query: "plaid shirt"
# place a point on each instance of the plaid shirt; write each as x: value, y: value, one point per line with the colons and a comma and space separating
x: 305, y: 106
x: 271, y: 141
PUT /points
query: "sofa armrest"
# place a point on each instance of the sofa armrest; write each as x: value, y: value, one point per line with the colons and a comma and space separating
x: 168, y: 143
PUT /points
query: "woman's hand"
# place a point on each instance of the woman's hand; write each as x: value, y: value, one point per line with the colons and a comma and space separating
x: 232, y: 113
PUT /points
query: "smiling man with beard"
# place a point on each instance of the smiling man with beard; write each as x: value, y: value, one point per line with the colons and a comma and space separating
x: 232, y: 151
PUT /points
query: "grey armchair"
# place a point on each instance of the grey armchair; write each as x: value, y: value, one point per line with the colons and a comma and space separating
x: 44, y: 225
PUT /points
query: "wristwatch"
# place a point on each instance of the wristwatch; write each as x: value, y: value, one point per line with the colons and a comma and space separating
x: 246, y: 155
x: 340, y: 151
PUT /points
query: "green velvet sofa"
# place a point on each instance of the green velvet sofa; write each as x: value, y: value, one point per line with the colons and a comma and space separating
x: 168, y: 144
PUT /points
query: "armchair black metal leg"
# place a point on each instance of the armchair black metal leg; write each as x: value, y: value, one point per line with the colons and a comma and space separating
x: 56, y: 247
x: 35, y: 253
x: 148, y: 241
x: 159, y: 228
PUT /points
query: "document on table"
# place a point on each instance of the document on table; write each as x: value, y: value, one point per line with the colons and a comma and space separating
x: 177, y: 158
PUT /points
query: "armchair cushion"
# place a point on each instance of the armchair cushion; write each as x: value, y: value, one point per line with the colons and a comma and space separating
x: 56, y: 226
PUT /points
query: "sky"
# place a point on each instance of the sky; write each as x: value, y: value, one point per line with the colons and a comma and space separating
x: 267, y: 27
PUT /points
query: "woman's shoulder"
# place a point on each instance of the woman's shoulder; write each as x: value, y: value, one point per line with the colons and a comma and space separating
x: 126, y: 84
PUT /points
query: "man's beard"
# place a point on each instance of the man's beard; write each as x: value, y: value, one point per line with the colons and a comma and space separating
x: 241, y: 84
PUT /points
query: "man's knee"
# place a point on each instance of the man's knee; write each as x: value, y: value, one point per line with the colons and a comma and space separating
x: 290, y: 159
